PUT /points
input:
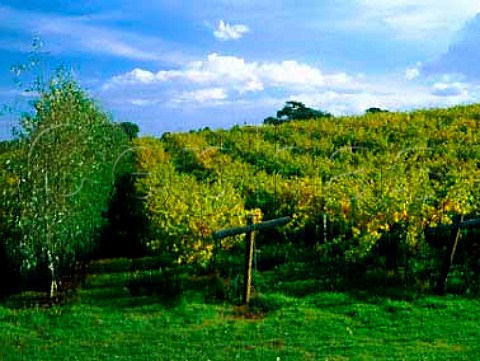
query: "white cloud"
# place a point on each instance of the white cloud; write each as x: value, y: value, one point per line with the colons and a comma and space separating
x: 412, y: 73
x: 291, y: 72
x: 142, y: 102
x: 190, y: 101
x: 450, y: 89
x: 236, y: 74
x: 221, y: 81
x: 202, y: 95
x: 226, y: 31
x: 140, y: 75
x: 400, y: 99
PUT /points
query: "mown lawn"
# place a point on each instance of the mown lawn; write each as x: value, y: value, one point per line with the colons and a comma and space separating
x: 107, y: 323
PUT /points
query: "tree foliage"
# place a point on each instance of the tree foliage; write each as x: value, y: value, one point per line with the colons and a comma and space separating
x: 374, y: 110
x: 295, y: 110
x: 131, y: 129
x: 59, y: 179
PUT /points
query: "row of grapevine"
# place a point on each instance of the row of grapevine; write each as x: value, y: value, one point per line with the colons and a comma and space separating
x: 195, y: 154
x: 183, y: 212
x: 370, y: 176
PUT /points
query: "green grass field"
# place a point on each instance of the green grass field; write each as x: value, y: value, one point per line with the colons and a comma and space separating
x: 104, y: 322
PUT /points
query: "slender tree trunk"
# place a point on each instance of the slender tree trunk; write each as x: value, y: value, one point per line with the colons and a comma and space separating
x: 448, y: 259
x: 51, y: 260
x: 51, y: 267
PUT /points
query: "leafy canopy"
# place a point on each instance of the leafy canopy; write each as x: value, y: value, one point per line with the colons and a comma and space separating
x: 374, y: 110
x: 295, y: 110
x: 131, y: 129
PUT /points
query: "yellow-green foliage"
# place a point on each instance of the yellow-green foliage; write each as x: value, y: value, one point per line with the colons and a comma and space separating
x: 366, y: 174
x: 183, y: 212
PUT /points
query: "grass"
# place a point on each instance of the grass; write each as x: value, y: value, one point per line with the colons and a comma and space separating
x: 105, y: 322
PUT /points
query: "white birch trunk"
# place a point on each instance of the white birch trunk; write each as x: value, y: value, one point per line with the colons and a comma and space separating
x: 51, y: 267
x: 51, y: 260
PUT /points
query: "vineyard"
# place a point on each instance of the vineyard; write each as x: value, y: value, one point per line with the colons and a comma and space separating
x: 380, y: 205
x: 391, y: 188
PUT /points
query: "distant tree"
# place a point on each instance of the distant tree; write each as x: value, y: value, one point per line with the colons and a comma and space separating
x: 165, y: 136
x: 295, y: 110
x: 271, y: 120
x: 131, y: 129
x: 374, y: 110
x: 6, y: 145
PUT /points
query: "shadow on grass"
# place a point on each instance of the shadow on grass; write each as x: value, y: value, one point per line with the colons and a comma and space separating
x: 278, y: 288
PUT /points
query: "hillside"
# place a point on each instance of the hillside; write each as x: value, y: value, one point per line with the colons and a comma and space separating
x: 356, y: 187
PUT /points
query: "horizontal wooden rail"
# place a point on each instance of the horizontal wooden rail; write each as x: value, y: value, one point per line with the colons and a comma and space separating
x: 253, y: 227
x: 470, y: 223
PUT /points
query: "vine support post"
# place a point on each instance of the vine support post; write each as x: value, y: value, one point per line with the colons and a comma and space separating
x: 250, y: 229
x: 455, y: 235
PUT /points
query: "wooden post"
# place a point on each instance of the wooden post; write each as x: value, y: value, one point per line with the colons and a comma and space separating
x: 250, y: 230
x: 250, y: 240
x: 448, y: 258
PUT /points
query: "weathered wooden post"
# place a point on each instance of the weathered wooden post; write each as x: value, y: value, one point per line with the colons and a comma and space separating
x: 249, y: 244
x: 250, y: 230
x: 449, y: 255
x: 454, y: 232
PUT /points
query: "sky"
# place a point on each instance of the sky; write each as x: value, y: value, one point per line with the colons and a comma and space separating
x: 176, y: 65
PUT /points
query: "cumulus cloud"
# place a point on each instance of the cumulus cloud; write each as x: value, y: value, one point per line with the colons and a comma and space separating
x: 238, y: 75
x: 138, y: 75
x: 227, y: 31
x: 291, y: 72
x: 221, y: 81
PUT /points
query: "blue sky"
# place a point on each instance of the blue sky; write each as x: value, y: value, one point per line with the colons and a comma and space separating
x: 178, y: 65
